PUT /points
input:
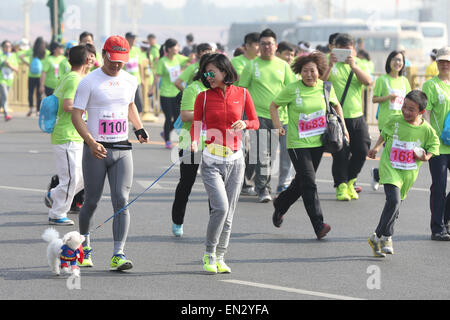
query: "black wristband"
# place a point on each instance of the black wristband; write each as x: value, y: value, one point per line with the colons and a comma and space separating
x: 142, y: 133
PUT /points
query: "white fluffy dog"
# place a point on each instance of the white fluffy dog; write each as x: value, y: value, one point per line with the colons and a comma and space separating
x: 60, y: 252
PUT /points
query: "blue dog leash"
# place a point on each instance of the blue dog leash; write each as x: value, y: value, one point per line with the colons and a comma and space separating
x: 137, y: 197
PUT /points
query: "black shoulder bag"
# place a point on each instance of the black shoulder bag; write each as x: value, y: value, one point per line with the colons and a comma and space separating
x: 333, y: 137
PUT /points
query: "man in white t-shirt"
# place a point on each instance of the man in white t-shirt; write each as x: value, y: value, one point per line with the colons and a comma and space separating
x: 107, y: 95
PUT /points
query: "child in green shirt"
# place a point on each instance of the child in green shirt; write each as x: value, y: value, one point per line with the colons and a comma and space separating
x: 409, y: 140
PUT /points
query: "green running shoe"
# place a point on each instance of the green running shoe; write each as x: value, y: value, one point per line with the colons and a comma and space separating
x: 351, y: 190
x: 222, y: 266
x: 376, y: 246
x: 120, y: 263
x: 342, y: 192
x: 87, y: 261
x: 209, y: 263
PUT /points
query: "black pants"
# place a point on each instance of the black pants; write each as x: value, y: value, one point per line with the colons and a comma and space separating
x: 188, y: 174
x: 171, y: 109
x: 348, y: 162
x: 250, y: 158
x: 33, y: 87
x: 305, y: 161
x: 390, y: 211
x: 439, y: 198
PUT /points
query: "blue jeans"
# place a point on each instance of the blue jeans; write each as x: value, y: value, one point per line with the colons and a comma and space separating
x: 439, y: 199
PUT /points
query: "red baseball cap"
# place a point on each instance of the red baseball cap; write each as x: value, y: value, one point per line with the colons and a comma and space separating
x: 117, y: 49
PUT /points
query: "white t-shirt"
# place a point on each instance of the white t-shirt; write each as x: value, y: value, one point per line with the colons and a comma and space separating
x: 106, y: 100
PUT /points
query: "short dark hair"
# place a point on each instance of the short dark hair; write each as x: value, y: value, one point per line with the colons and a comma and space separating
x: 391, y: 56
x: 151, y: 36
x: 284, y: 45
x: 203, y: 47
x: 190, y: 37
x: 91, y: 48
x: 78, y: 55
x: 267, y: 33
x: 201, y: 65
x: 221, y: 62
x: 344, y: 39
x: 86, y: 34
x: 418, y: 97
x: 332, y: 38
x: 251, y: 37
x: 316, y: 57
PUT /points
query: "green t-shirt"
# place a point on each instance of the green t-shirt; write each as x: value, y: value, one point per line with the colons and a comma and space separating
x: 6, y: 73
x: 134, y: 61
x: 169, y: 71
x: 306, y: 109
x: 384, y: 86
x: 408, y: 137
x: 353, y: 106
x: 264, y: 79
x: 438, y: 94
x: 187, y: 104
x: 239, y: 63
x: 50, y: 65
x: 64, y: 67
x: 64, y: 130
x: 154, y: 52
x: 189, y: 73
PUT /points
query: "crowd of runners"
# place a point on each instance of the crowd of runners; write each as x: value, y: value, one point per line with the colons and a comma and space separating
x: 234, y: 115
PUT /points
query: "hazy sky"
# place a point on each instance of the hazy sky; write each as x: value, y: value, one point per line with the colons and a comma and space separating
x: 370, y: 5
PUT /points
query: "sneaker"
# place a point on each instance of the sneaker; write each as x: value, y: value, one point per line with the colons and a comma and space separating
x: 222, y: 267
x: 87, y: 261
x: 447, y: 227
x: 375, y: 179
x: 29, y: 113
x: 120, y: 263
x: 386, y: 245
x: 264, y: 196
x: 177, y: 230
x: 250, y: 191
x: 8, y: 117
x: 443, y: 236
x: 48, y: 200
x: 61, y: 222
x: 209, y: 263
x: 342, y: 193
x: 358, y: 189
x: 323, y: 232
x: 351, y: 190
x: 168, y: 145
x: 277, y: 217
x: 280, y: 189
x: 376, y: 246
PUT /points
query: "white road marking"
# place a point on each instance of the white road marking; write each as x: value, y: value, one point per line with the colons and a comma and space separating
x: 292, y: 290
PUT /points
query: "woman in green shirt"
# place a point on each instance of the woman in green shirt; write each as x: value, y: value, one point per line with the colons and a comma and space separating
x: 39, y: 52
x: 188, y: 166
x: 390, y: 91
x: 169, y: 69
x: 306, y: 108
x: 50, y: 69
x: 8, y: 66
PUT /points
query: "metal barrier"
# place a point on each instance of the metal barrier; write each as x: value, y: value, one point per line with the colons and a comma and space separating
x: 18, y: 95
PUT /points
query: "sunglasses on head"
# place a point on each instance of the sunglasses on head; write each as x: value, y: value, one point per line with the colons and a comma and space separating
x: 209, y: 74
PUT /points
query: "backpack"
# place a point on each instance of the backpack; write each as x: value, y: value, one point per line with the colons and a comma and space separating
x: 36, y: 66
x: 48, y: 112
x: 445, y: 134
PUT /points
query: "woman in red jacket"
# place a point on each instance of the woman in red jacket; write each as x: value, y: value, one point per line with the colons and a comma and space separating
x: 218, y: 113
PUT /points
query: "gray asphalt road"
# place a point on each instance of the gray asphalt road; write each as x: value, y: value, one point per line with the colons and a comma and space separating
x: 267, y: 263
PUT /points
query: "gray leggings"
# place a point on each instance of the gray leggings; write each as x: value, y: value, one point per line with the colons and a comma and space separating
x: 223, y: 183
x: 118, y: 165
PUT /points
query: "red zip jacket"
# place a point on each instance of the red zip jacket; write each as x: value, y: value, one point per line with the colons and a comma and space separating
x: 221, y: 111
